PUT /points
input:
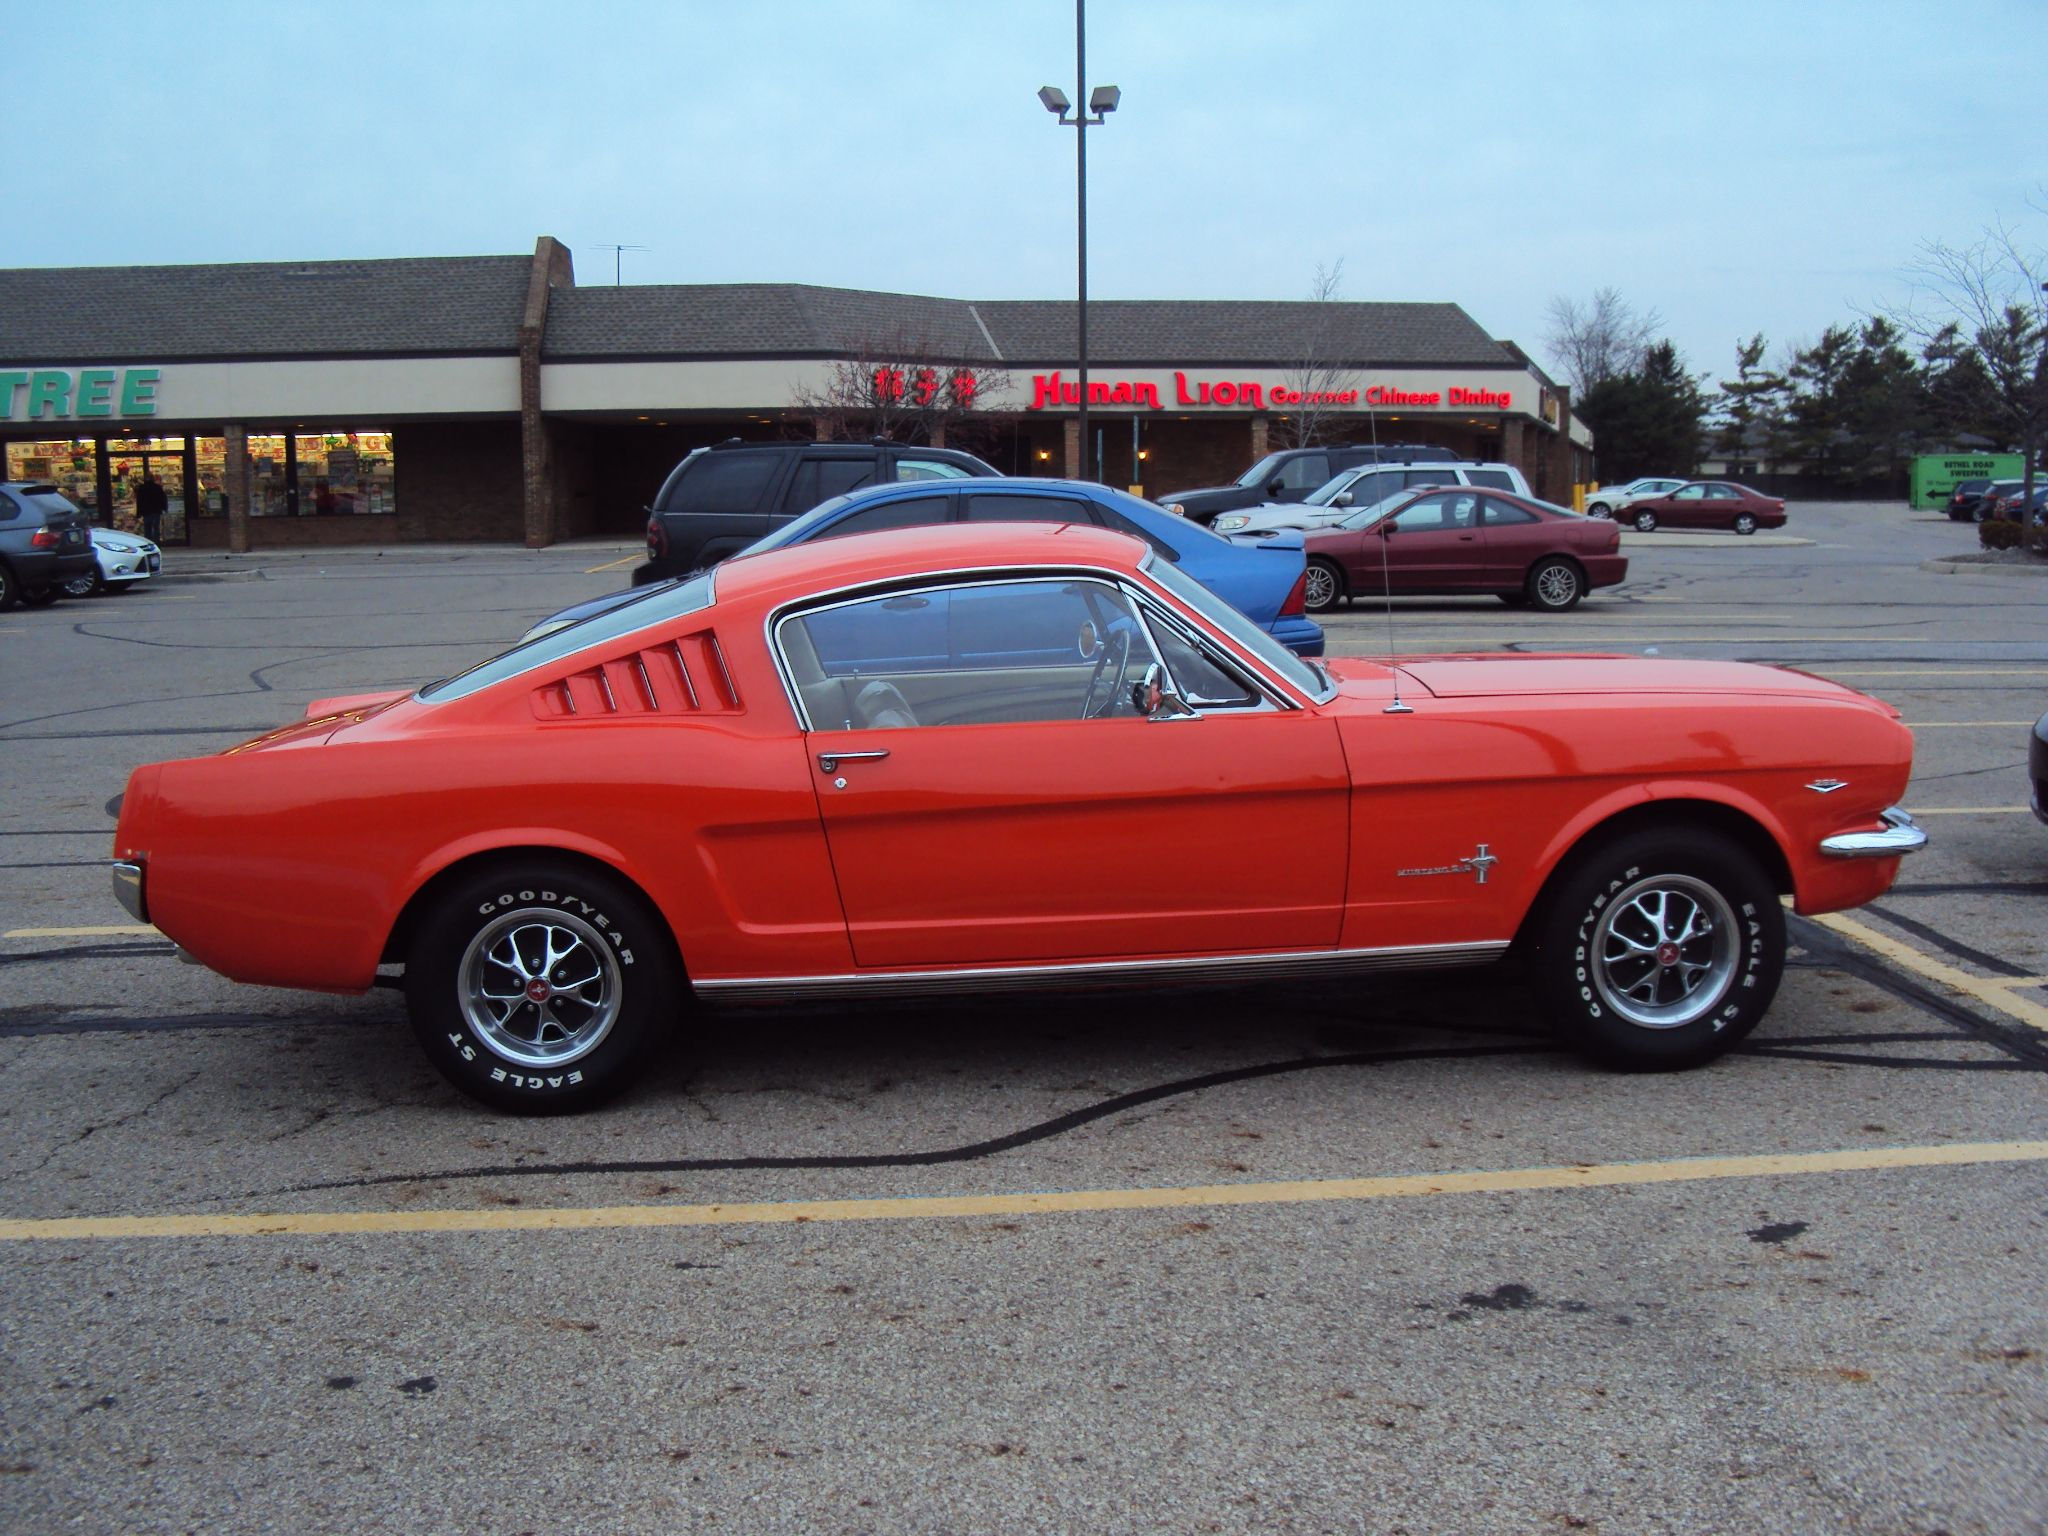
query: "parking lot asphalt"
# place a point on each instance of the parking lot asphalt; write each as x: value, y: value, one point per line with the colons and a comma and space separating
x: 1316, y: 1258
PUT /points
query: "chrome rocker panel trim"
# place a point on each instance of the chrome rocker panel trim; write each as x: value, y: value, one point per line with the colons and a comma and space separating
x: 1901, y: 835
x: 1022, y: 978
x: 128, y: 889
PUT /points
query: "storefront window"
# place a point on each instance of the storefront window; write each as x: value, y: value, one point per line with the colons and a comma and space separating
x: 65, y: 463
x: 337, y: 474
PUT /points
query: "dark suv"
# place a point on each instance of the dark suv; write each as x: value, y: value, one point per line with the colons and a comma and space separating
x: 45, y: 541
x: 719, y: 500
x: 1291, y: 473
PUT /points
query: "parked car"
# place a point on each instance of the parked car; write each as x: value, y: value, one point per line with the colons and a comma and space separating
x: 1464, y: 541
x: 2037, y: 767
x: 804, y: 775
x: 1262, y: 578
x: 1964, y: 500
x: 1368, y: 483
x: 721, y: 499
x: 1290, y: 474
x: 1707, y: 504
x: 1606, y: 500
x: 45, y: 542
x: 121, y: 561
x: 1996, y: 494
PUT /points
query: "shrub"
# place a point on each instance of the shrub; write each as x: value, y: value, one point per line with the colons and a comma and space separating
x: 1998, y: 533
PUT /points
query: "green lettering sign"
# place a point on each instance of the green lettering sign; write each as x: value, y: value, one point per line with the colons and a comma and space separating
x: 138, y: 391
x: 10, y: 383
x: 49, y: 394
x: 95, y: 392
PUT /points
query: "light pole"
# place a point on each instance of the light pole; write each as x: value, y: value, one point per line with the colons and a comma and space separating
x: 1101, y: 102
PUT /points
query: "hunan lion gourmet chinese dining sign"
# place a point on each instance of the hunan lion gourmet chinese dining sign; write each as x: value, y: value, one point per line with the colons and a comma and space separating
x: 1052, y: 391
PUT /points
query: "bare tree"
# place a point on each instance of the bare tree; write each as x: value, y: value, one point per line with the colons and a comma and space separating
x: 1603, y: 339
x: 1993, y: 292
x: 901, y: 387
x: 1318, y: 378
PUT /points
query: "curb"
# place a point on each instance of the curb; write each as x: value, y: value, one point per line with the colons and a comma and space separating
x: 1987, y: 567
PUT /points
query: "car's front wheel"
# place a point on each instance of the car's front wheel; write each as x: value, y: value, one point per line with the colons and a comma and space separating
x: 1555, y: 585
x: 540, y: 986
x: 1646, y: 521
x: 1745, y: 522
x: 87, y: 585
x: 1324, y: 588
x: 1660, y: 949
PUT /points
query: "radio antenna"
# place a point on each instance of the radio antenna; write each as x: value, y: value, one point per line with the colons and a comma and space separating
x: 1372, y: 420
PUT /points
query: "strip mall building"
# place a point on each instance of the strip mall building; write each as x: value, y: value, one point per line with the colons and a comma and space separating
x: 489, y: 397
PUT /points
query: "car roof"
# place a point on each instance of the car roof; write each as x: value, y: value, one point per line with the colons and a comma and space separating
x: 823, y: 565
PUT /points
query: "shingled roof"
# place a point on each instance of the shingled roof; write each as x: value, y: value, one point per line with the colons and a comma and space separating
x: 443, y: 305
x: 430, y: 305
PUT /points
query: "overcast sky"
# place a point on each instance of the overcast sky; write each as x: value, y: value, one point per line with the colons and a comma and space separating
x: 1734, y: 166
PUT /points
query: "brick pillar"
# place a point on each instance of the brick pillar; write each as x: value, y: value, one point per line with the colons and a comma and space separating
x: 551, y: 269
x: 238, y: 484
x: 1512, y: 448
x: 1260, y: 438
x: 1071, y: 432
x: 1561, y: 476
x: 939, y: 433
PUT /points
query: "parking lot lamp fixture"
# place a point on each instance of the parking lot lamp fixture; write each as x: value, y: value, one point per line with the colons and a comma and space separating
x: 1101, y: 102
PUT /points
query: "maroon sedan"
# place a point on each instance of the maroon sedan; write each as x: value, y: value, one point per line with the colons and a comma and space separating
x: 1461, y: 539
x: 1707, y: 504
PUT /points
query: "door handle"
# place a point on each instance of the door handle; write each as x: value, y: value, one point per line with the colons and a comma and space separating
x: 831, y: 760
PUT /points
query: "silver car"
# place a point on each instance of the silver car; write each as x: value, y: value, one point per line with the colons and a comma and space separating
x: 1337, y: 498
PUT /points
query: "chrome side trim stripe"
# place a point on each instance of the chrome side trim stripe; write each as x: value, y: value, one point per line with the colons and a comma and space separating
x: 1019, y: 978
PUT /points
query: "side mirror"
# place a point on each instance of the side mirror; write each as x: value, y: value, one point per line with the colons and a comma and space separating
x: 1151, y: 698
x: 1341, y: 499
x: 1385, y: 529
x: 1276, y: 487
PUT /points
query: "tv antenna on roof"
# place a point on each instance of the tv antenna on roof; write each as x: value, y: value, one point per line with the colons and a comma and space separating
x: 619, y: 260
x: 1372, y: 426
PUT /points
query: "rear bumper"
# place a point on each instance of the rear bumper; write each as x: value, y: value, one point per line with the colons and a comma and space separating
x: 1605, y: 570
x: 128, y: 880
x: 1900, y: 835
x: 1304, y: 637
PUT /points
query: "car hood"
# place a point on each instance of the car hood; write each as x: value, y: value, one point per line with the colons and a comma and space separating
x: 122, y: 543
x: 1468, y: 677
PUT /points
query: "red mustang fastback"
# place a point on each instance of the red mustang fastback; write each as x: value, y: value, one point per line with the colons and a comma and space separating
x: 986, y: 757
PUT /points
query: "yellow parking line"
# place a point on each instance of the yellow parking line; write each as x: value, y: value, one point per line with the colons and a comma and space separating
x: 612, y: 565
x: 940, y: 1207
x: 1992, y: 994
x: 98, y: 932
x: 1972, y: 810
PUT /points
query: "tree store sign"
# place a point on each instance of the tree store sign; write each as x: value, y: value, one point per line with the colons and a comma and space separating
x: 77, y: 394
x: 1051, y: 391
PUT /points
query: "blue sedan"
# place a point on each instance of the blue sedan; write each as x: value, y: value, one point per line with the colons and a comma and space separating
x: 1263, y: 578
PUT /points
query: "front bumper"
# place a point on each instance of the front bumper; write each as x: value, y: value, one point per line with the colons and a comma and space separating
x: 1901, y: 835
x: 128, y: 889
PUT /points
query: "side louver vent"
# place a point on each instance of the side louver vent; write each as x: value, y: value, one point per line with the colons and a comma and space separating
x: 680, y: 677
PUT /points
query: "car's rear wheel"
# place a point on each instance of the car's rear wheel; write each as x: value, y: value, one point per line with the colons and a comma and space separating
x: 1646, y: 521
x: 540, y: 986
x: 1745, y: 522
x: 1597, y: 509
x: 1660, y: 949
x: 10, y: 589
x: 1324, y: 588
x: 1555, y: 585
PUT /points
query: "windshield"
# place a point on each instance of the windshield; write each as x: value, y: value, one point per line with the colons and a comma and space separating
x: 657, y: 604
x: 1255, y: 640
x: 1371, y: 514
x: 1262, y: 471
x: 1335, y: 488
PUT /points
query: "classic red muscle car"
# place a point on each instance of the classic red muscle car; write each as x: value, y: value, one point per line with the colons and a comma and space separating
x: 982, y: 757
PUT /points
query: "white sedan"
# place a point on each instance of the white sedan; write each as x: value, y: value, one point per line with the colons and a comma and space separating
x: 124, y: 560
x: 1606, y: 500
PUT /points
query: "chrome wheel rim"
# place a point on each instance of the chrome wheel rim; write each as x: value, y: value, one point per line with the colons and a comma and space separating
x: 540, y: 988
x: 1556, y: 586
x: 1745, y: 524
x: 1321, y: 590
x: 1645, y: 521
x: 1665, y: 951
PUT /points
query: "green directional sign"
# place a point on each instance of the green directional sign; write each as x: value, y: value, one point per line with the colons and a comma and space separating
x: 1935, y: 474
x: 77, y: 394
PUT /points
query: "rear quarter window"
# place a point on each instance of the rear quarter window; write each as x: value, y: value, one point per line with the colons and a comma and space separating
x: 722, y: 482
x: 1492, y: 479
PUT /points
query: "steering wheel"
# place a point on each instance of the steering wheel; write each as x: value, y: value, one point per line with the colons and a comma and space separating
x: 1110, y: 659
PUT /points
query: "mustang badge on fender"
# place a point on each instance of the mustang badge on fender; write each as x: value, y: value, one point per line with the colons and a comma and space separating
x: 1472, y: 864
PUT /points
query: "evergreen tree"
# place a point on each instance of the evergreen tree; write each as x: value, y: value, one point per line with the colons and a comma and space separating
x: 1880, y: 408
x: 1814, y: 412
x: 1751, y: 403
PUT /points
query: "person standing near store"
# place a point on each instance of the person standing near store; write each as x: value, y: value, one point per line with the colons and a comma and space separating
x: 150, y: 504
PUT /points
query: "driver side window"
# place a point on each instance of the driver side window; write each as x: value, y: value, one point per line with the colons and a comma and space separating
x: 1690, y: 493
x: 973, y: 654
